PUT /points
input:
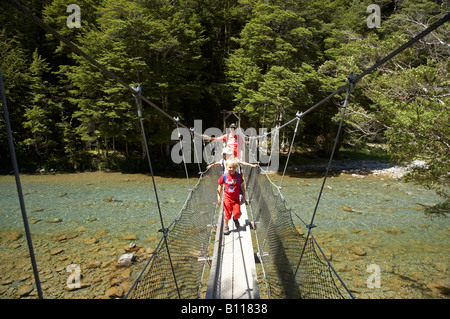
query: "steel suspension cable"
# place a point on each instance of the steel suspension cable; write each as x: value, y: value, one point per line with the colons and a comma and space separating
x: 164, y: 230
x: 290, y: 149
x: 311, y: 224
x: 19, y: 187
x: 419, y: 36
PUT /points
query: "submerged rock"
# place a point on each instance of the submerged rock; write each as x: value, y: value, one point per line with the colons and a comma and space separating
x: 393, y: 231
x: 440, y: 287
x: 55, y: 220
x: 111, y: 199
x: 56, y: 251
x: 91, y: 241
x: 12, y: 236
x: 129, y: 237
x: 24, y: 290
x: 358, y: 251
x: 114, y: 292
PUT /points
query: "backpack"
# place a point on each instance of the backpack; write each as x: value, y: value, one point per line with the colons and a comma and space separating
x: 239, y: 180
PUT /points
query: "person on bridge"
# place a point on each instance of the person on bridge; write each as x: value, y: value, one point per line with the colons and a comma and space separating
x: 234, y: 186
x: 228, y: 153
x: 231, y: 140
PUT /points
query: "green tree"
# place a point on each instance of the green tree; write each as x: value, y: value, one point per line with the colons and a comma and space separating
x: 41, y: 110
x: 414, y: 100
x: 268, y: 71
x: 16, y: 77
x: 405, y: 102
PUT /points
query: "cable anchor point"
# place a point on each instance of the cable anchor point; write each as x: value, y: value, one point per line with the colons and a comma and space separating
x: 137, y: 89
x: 164, y: 231
x: 352, y: 78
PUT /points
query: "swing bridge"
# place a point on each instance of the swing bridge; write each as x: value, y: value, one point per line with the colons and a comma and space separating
x: 193, y: 251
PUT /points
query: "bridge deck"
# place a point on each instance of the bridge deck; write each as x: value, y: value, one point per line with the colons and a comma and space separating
x: 233, y: 271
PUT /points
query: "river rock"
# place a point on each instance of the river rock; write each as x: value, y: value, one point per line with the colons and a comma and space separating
x: 61, y: 237
x: 55, y: 220
x: 111, y: 199
x: 125, y: 274
x: 131, y: 247
x: 347, y: 208
x: 441, y: 286
x: 91, y: 241
x: 24, y: 290
x: 126, y: 259
x: 12, y: 236
x: 114, y: 292
x: 129, y: 237
x: 93, y: 264
x: 393, y: 231
x: 56, y: 251
x: 358, y: 251
x: 101, y: 232
x: 299, y: 230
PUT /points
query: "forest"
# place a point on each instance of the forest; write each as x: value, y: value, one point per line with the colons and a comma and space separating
x: 268, y: 59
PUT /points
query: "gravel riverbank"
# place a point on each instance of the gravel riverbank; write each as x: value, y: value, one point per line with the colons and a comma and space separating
x: 359, y: 167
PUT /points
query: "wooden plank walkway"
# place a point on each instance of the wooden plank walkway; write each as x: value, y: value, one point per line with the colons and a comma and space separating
x: 233, y: 271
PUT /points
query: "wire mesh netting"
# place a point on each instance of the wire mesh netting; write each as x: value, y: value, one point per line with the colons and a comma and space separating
x: 188, y: 240
x: 291, y: 265
x: 292, y: 268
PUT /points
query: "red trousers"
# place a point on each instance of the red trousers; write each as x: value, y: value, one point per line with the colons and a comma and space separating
x: 231, y: 207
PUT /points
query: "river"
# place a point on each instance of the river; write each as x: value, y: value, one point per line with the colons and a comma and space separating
x: 89, y: 219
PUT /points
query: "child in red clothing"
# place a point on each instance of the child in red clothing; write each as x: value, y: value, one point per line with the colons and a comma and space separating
x: 231, y: 200
x: 231, y: 139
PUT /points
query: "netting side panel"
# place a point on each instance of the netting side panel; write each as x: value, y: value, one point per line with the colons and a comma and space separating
x: 314, y: 276
x: 188, y: 240
x: 276, y: 238
x: 280, y: 246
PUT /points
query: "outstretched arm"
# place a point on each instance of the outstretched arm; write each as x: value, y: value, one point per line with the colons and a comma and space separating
x: 247, y: 164
x: 213, y: 164
x: 219, y: 192
x: 206, y: 137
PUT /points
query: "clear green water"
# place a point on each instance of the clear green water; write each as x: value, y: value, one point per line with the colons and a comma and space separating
x: 78, y: 202
x: 387, y: 222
